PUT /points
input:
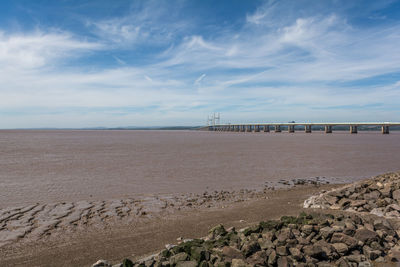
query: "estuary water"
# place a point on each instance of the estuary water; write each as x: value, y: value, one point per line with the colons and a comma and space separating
x: 64, y: 165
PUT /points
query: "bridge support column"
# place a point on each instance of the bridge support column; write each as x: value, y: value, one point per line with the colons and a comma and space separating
x: 307, y: 128
x: 266, y: 128
x: 291, y: 128
x: 385, y: 129
x: 278, y: 129
x: 248, y: 128
x: 328, y: 129
x: 353, y: 129
x: 237, y: 128
x: 257, y: 128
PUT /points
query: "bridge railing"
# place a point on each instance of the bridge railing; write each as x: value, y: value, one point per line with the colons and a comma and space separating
x: 328, y: 127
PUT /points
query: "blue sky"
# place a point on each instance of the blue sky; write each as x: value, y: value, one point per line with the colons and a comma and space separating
x: 125, y: 63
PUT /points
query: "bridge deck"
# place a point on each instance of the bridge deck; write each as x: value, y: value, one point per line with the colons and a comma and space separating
x: 315, y: 124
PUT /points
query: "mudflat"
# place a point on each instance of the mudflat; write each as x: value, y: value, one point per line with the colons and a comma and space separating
x: 148, y: 235
x: 54, y: 166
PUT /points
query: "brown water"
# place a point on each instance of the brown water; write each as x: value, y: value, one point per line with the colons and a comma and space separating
x: 54, y: 166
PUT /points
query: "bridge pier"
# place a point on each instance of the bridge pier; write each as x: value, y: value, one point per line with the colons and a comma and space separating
x: 307, y: 128
x: 242, y: 128
x: 266, y: 128
x: 385, y: 129
x: 257, y: 128
x: 278, y: 129
x: 291, y: 128
x: 248, y: 128
x: 353, y: 129
x: 328, y: 129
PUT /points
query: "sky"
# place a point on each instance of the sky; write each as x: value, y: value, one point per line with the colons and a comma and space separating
x: 71, y: 64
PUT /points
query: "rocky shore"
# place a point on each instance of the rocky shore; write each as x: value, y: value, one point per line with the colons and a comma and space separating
x: 362, y: 229
x: 379, y: 196
x: 307, y: 240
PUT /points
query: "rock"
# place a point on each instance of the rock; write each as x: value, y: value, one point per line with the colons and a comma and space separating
x: 366, y: 235
x: 342, y: 238
x: 169, y: 246
x: 393, y: 214
x: 186, y: 264
x: 272, y: 258
x: 258, y: 258
x: 381, y: 224
x: 284, y: 235
x: 285, y: 262
x: 232, y: 253
x: 179, y: 257
x: 265, y: 243
x: 250, y: 230
x: 315, y: 251
x: 392, y: 207
x: 326, y: 232
x: 364, y: 264
x: 296, y: 253
x: 374, y: 195
x: 307, y: 229
x: 370, y: 253
x: 356, y: 258
x: 149, y: 263
x: 344, y: 203
x: 218, y: 230
x: 343, y: 263
x: 238, y: 263
x: 341, y: 248
x: 396, y: 194
x: 250, y: 248
x: 127, y: 263
x: 330, y: 199
x: 281, y: 250
x: 386, y: 191
x: 198, y: 253
x: 358, y: 203
x: 101, y: 263
x: 377, y: 212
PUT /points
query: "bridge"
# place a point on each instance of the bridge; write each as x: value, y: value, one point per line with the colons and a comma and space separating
x: 277, y: 127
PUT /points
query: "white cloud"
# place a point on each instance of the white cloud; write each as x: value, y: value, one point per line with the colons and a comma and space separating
x: 24, y: 51
x: 198, y: 80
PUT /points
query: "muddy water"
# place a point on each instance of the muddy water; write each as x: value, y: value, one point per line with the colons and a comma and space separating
x: 54, y: 166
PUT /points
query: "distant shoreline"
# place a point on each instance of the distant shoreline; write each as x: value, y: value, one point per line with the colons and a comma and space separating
x: 177, y: 128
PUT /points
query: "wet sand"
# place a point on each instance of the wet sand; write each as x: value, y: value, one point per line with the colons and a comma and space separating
x: 84, y: 195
